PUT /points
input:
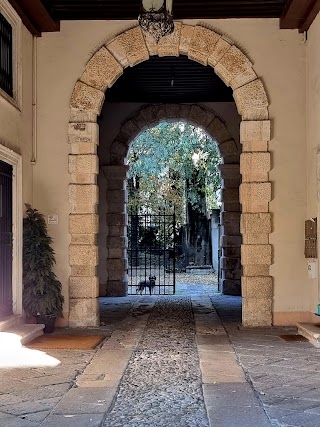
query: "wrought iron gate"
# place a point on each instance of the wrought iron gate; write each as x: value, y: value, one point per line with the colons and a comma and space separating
x: 5, y: 239
x: 152, y: 253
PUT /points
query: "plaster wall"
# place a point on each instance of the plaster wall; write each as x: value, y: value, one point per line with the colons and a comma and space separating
x: 278, y: 57
x: 16, y: 124
x: 313, y: 139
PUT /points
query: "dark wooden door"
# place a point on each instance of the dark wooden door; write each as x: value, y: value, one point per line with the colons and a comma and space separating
x: 5, y: 239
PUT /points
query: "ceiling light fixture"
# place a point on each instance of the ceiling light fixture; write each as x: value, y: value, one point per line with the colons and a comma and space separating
x: 156, y: 18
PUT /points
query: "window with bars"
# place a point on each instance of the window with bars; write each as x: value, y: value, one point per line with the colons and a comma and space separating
x: 6, y: 68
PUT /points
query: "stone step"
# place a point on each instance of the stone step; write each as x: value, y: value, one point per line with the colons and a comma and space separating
x: 10, y: 321
x: 18, y: 335
x: 311, y: 331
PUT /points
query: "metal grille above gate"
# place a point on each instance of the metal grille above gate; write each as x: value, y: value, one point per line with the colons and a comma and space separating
x: 152, y: 253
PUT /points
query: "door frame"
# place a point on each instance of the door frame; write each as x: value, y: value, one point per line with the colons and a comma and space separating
x: 15, y: 160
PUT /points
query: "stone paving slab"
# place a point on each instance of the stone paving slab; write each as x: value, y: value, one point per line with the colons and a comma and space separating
x: 233, y: 405
x: 82, y: 420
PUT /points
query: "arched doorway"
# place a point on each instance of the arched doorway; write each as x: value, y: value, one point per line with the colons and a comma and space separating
x: 234, y: 68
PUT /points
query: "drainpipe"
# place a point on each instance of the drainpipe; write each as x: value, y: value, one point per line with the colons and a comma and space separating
x: 34, y: 101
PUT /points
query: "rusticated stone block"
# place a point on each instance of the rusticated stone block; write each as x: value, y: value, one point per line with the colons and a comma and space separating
x: 231, y: 206
x: 116, y: 184
x: 231, y: 223
x: 116, y: 207
x: 129, y: 48
x: 83, y: 178
x: 221, y: 47
x: 251, y: 131
x: 202, y: 44
x: 84, y: 312
x: 185, y: 110
x: 254, y: 146
x: 150, y: 114
x: 83, y: 164
x: 257, y: 312
x: 130, y: 129
x: 228, y: 263
x: 84, y: 239
x: 117, y: 242
x: 242, y: 79
x: 255, y: 239
x: 116, y: 219
x: 230, y: 194
x: 229, y: 171
x: 251, y: 99
x: 231, y: 183
x: 83, y: 287
x: 185, y: 38
x: 232, y: 64
x: 118, y: 275
x: 169, y: 45
x: 255, y: 223
x: 83, y: 270
x: 232, y: 251
x: 115, y: 172
x: 228, y: 148
x: 115, y: 253
x: 116, y: 231
x: 117, y: 288
x: 255, y: 167
x: 82, y: 116
x: 116, y: 264
x: 255, y: 197
x: 86, y: 98
x: 83, y: 133
x: 257, y: 287
x: 150, y: 43
x: 231, y: 241
x: 232, y: 274
x: 102, y: 71
x: 116, y: 196
x: 218, y: 130
x: 256, y: 254
x: 200, y: 116
x: 231, y: 287
x: 173, y: 111
x: 83, y: 224
x: 83, y: 198
x: 255, y: 270
x: 83, y: 255
x: 119, y: 148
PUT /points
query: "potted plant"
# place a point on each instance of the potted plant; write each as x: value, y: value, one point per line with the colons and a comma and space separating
x: 42, y: 295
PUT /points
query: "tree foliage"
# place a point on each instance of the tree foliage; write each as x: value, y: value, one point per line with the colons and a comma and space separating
x: 164, y: 158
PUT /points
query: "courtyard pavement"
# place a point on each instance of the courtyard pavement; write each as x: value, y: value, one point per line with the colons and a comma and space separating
x: 175, y: 361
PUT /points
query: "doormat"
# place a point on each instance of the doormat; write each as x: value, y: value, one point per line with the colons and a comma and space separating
x: 293, y: 338
x: 66, y: 342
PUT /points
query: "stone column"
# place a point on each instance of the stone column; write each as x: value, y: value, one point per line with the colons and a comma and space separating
x: 255, y: 195
x: 117, y: 242
x: 83, y: 224
x: 230, y: 231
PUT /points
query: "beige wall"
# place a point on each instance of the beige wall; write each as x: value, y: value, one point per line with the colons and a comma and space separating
x: 278, y: 57
x: 16, y: 125
x: 313, y: 136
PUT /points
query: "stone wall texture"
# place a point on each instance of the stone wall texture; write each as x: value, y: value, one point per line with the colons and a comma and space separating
x: 235, y: 69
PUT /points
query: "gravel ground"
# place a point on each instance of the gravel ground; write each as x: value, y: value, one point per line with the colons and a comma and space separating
x: 163, y: 373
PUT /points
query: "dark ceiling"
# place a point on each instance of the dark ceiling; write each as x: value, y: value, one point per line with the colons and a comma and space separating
x: 129, y: 9
x: 169, y: 80
x: 45, y: 15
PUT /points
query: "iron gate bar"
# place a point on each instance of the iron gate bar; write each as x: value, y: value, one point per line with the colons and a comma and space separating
x: 151, y: 252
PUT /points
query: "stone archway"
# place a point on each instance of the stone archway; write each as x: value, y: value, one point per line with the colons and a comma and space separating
x: 115, y: 173
x: 235, y: 69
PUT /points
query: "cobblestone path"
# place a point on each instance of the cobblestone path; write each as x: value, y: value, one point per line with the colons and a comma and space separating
x: 162, y: 383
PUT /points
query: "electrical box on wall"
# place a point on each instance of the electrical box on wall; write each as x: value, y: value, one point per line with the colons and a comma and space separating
x: 312, y: 269
x: 310, y: 249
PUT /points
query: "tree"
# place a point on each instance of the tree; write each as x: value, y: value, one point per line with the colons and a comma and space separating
x: 176, y: 164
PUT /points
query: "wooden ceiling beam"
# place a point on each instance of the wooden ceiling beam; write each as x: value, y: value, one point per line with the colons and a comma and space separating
x: 299, y: 14
x: 35, y: 16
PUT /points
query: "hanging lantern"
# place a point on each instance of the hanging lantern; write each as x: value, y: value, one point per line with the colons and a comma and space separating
x: 156, y: 18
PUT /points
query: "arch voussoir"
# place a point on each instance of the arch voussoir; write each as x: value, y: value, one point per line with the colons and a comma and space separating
x: 235, y: 69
